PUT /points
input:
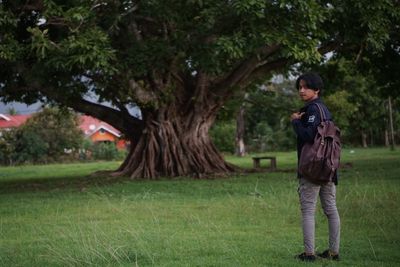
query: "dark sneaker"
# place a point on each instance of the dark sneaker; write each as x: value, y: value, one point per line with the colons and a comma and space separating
x: 304, y: 257
x: 327, y: 254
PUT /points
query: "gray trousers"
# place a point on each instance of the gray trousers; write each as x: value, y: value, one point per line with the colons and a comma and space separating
x: 308, y: 193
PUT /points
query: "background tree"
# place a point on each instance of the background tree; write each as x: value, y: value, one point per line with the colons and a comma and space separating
x: 240, y: 147
x: 228, y: 133
x: 383, y: 68
x: 104, y: 151
x: 8, y: 140
x: 178, y: 60
x: 357, y: 100
x: 374, y: 80
x: 29, y: 147
x: 267, y: 119
x: 223, y: 135
x: 12, y: 111
x: 58, y: 128
x: 45, y: 137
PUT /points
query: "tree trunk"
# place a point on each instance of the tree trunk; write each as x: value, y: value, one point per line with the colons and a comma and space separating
x: 371, y: 137
x: 364, y: 139
x: 392, y: 143
x: 240, y: 129
x: 387, y: 138
x: 174, y: 144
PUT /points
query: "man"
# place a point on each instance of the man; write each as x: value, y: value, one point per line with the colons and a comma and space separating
x: 305, y: 123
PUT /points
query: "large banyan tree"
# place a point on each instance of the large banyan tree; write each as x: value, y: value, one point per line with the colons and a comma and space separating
x: 178, y: 61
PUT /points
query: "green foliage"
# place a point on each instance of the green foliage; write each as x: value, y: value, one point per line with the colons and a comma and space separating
x: 356, y: 99
x: 8, y: 141
x: 105, y: 151
x: 342, y: 109
x: 30, y: 147
x: 44, y: 137
x: 58, y: 128
x: 267, y: 111
x: 124, y: 40
x: 223, y: 136
x: 18, y: 146
x: 267, y: 117
x: 262, y: 138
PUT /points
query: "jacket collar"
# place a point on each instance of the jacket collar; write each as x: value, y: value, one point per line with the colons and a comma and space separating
x: 317, y: 100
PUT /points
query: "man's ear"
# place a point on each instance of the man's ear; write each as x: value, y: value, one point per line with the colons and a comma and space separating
x: 317, y: 91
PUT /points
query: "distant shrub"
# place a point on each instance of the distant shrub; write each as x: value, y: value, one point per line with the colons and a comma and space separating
x: 223, y: 136
x: 30, y: 147
x: 105, y: 151
x: 57, y: 128
x: 46, y: 137
x: 7, y: 147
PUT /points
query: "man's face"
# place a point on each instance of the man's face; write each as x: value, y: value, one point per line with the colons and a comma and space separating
x: 307, y: 94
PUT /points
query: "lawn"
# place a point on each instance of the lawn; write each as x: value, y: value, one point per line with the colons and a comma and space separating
x: 57, y: 215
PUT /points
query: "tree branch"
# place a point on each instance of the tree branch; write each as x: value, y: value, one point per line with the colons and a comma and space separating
x: 263, y: 71
x: 121, y: 107
x: 122, y: 121
x: 329, y: 46
x: 243, y: 71
x: 133, y: 27
x: 33, y: 5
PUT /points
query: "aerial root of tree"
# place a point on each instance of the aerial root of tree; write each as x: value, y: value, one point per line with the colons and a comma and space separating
x: 163, y: 151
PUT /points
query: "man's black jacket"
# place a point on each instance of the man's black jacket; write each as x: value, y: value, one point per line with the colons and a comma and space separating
x: 306, y: 127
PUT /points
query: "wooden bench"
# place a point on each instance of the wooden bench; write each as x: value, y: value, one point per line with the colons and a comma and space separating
x: 257, y: 160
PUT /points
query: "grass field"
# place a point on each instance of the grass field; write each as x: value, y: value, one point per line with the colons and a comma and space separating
x: 57, y: 215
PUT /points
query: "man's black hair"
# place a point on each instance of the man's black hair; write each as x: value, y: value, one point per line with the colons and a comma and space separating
x: 312, y: 80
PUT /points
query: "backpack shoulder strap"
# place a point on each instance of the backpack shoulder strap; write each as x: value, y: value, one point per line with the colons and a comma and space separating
x: 321, y: 112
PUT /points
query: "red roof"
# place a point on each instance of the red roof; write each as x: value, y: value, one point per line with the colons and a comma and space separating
x: 90, y: 125
x: 12, y: 121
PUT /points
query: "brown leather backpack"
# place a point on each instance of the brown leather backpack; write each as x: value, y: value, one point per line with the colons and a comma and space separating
x: 319, y: 160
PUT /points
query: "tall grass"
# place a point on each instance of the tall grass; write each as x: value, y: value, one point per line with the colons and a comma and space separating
x: 243, y: 220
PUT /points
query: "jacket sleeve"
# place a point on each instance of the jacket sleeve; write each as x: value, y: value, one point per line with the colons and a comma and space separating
x: 306, y: 127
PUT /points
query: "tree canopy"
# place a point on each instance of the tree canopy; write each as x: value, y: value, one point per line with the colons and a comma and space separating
x: 177, y: 60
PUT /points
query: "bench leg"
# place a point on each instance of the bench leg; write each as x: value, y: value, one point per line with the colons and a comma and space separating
x: 273, y: 164
x: 256, y: 163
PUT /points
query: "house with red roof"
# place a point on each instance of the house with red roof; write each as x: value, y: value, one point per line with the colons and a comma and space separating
x: 12, y: 121
x: 100, y: 131
x: 94, y: 129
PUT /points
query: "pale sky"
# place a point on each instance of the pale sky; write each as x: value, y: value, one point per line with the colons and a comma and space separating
x: 21, y: 108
